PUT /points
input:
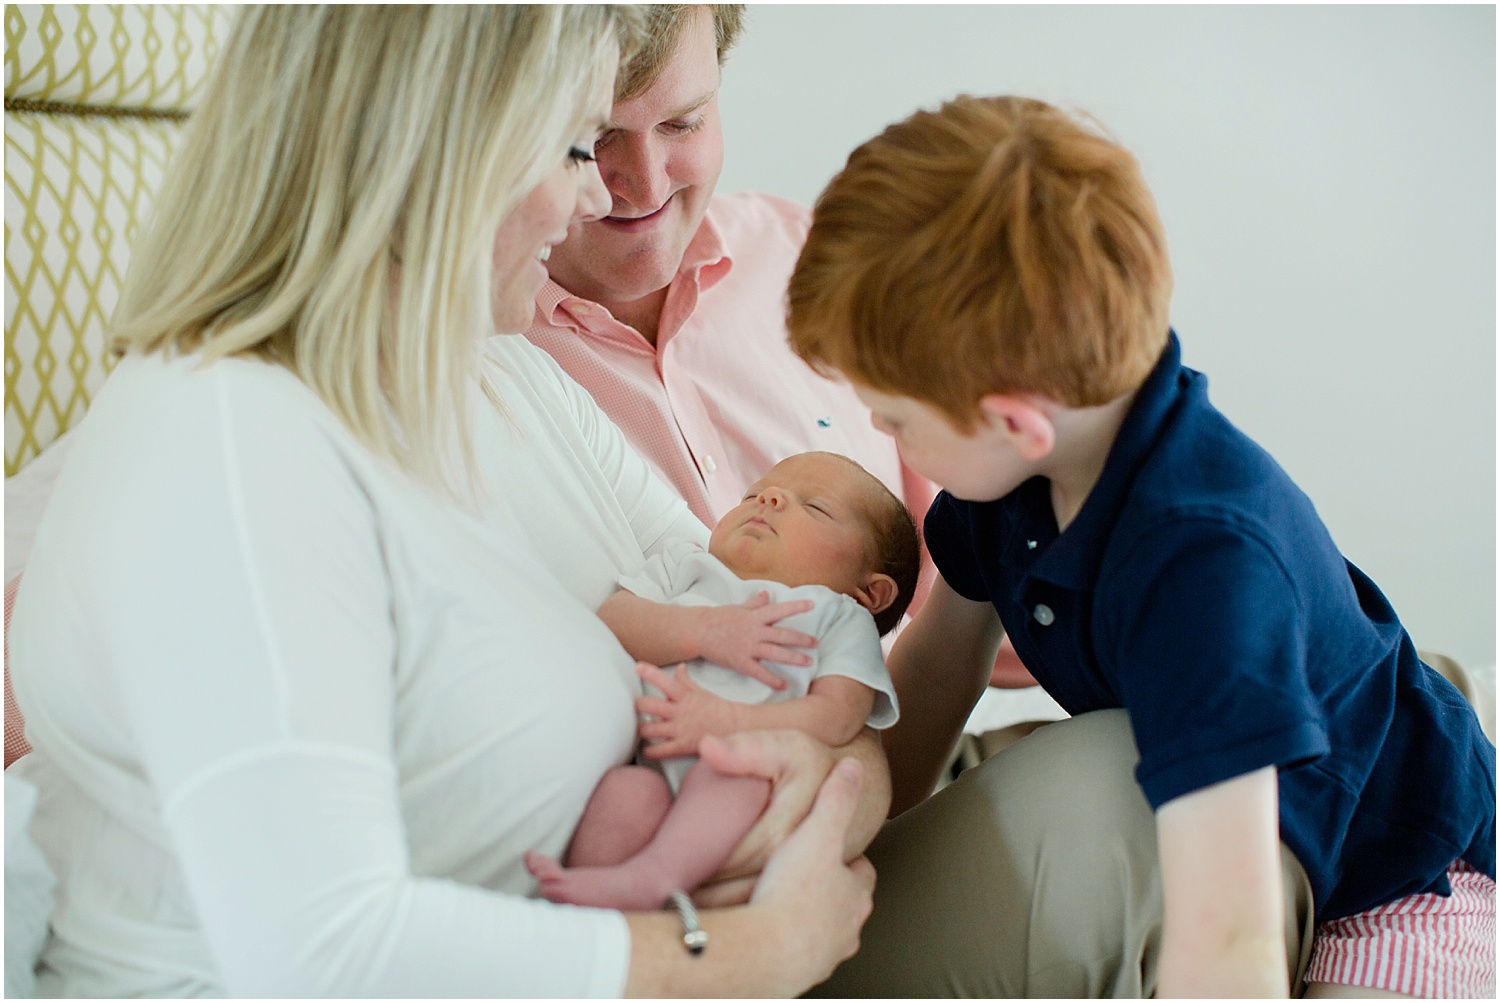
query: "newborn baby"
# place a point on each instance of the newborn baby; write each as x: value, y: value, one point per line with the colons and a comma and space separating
x: 802, y: 577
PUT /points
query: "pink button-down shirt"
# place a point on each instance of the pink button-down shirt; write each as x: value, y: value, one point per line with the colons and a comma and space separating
x: 720, y: 398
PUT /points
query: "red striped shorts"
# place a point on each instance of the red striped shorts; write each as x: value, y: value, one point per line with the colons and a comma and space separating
x: 1421, y: 945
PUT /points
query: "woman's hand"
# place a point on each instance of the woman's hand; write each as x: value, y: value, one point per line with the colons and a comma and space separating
x: 797, y: 765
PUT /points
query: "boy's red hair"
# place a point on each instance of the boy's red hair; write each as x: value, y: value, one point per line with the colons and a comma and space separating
x: 996, y: 245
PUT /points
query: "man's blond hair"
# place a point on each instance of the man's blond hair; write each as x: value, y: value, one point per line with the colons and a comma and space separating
x: 997, y: 245
x: 665, y: 23
x: 334, y: 204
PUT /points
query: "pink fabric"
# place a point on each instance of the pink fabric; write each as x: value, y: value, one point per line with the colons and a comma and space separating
x: 721, y: 398
x: 1421, y: 945
x: 16, y: 745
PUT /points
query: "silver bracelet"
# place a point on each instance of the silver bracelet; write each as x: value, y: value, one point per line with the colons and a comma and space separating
x: 694, y: 937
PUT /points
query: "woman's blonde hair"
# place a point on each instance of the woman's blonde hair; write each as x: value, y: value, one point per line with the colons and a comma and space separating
x: 996, y: 245
x: 334, y: 204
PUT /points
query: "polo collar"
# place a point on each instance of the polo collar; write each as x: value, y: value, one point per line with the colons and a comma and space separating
x: 1072, y: 559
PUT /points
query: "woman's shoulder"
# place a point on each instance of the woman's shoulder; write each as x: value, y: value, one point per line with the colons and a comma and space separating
x: 188, y: 383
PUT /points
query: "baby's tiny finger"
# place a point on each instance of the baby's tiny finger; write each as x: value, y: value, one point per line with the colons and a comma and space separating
x: 656, y: 677
x: 786, y: 656
x: 755, y: 670
x: 652, y: 707
x: 783, y: 610
x: 795, y: 639
x: 654, y: 731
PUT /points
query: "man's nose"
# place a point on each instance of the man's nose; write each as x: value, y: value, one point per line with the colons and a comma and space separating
x: 634, y: 169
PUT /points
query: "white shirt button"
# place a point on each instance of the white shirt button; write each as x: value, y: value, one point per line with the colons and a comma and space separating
x: 709, y: 466
x: 1030, y: 544
x: 1043, y: 614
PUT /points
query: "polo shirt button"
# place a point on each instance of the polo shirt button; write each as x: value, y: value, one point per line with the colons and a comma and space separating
x: 1043, y: 614
x: 709, y: 466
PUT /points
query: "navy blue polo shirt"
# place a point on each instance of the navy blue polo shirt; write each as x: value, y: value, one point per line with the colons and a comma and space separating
x: 1198, y: 589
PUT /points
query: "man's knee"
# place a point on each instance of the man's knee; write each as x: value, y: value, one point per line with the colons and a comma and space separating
x: 1034, y: 874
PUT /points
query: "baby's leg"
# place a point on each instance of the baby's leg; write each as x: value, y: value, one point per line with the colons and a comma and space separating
x: 711, y: 815
x: 627, y: 805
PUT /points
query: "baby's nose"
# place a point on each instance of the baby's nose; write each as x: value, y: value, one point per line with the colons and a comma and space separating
x: 772, y: 497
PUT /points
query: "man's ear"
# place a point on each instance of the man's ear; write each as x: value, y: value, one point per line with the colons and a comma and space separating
x: 878, y: 592
x: 1023, y: 421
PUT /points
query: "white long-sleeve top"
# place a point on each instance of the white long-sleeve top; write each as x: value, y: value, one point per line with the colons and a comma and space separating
x: 296, y: 717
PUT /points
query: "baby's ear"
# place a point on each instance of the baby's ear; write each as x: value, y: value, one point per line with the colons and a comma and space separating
x: 879, y: 591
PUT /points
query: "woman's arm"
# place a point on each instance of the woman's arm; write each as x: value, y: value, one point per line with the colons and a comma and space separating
x: 1221, y: 890
x: 940, y: 664
x: 802, y: 920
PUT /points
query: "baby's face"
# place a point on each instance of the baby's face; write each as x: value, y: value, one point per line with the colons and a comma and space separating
x: 803, y: 523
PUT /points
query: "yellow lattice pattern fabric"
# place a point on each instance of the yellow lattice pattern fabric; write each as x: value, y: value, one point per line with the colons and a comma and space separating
x: 76, y: 190
x: 79, y: 187
x: 153, y: 56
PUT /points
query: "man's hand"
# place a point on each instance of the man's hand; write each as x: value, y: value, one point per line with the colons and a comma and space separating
x: 684, y: 714
x: 744, y: 636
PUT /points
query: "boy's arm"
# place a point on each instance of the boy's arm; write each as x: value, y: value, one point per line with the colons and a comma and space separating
x: 736, y: 637
x: 1221, y: 888
x: 834, y: 712
x: 941, y: 664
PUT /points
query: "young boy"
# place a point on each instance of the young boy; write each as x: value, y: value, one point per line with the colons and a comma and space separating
x: 840, y: 555
x: 993, y: 278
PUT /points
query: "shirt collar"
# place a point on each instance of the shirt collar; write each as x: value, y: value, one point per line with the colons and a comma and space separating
x: 706, y: 260
x: 1072, y: 560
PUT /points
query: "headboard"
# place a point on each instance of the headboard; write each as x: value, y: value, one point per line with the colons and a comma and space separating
x: 95, y: 99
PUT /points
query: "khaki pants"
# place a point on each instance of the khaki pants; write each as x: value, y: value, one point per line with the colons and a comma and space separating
x: 1036, y: 874
x: 1033, y: 874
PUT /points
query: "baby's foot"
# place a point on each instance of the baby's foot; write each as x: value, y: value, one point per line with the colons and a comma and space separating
x: 543, y: 868
x: 619, y: 887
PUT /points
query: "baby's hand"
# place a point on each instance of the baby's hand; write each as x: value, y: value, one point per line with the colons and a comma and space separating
x: 742, y: 637
x: 686, y: 714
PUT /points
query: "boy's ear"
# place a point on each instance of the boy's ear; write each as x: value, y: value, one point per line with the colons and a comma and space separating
x: 1023, y: 422
x: 878, y: 592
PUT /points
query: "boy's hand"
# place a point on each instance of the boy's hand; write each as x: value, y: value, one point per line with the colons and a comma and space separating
x: 687, y: 713
x: 742, y: 637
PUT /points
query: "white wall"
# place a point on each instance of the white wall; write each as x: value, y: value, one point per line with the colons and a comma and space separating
x: 1327, y: 180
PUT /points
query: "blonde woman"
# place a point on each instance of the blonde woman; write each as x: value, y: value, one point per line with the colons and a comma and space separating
x: 306, y: 647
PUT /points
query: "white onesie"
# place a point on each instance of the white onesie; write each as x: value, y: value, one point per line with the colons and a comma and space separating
x: 683, y: 573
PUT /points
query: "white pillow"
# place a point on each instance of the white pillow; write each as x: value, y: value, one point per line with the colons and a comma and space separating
x: 29, y: 885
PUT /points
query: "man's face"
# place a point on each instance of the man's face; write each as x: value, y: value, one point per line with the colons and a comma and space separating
x: 660, y: 158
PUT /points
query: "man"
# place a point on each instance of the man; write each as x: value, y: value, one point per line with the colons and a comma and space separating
x: 670, y: 310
